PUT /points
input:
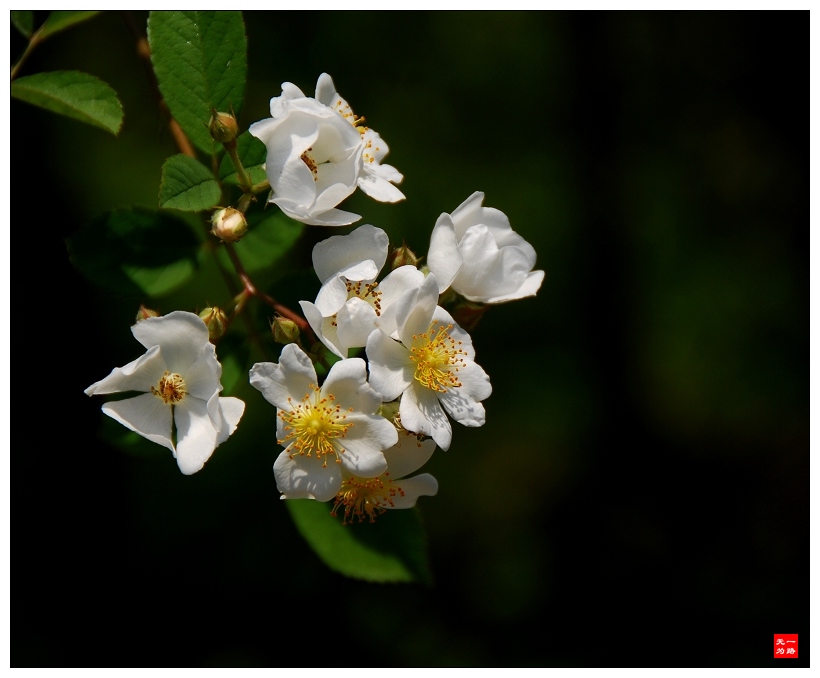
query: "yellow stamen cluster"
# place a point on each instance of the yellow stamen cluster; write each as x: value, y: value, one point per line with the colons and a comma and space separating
x: 171, y: 388
x: 347, y: 113
x: 369, y: 157
x: 366, y: 291
x: 311, y: 163
x: 438, y: 358
x: 313, y: 426
x: 365, y: 498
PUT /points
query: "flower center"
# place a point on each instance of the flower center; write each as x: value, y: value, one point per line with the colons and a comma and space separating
x: 365, y: 498
x: 366, y: 291
x: 171, y: 388
x: 314, y: 425
x: 438, y: 357
x: 311, y: 163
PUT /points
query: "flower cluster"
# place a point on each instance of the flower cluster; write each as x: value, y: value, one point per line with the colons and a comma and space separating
x: 404, y: 369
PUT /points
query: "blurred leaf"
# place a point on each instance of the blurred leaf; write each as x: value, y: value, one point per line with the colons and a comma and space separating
x: 139, y: 253
x: 252, y: 153
x: 233, y: 351
x: 74, y: 94
x: 201, y: 63
x: 23, y: 21
x: 390, y: 550
x: 59, y: 20
x: 270, y: 235
x: 187, y: 185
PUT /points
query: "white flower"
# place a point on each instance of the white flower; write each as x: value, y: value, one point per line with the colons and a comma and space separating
x: 475, y: 251
x: 365, y: 498
x: 376, y: 179
x: 336, y: 423
x: 351, y: 304
x: 314, y: 158
x: 430, y: 365
x: 179, y: 376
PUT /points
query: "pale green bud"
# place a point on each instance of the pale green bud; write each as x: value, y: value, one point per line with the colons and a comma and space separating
x: 228, y: 224
x: 216, y: 321
x: 284, y: 331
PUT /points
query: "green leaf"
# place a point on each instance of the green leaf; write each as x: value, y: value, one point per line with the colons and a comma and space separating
x: 23, y: 21
x: 390, y: 550
x: 187, y: 185
x: 252, y: 153
x: 200, y: 59
x: 74, y: 94
x: 270, y: 235
x: 59, y: 20
x: 139, y: 253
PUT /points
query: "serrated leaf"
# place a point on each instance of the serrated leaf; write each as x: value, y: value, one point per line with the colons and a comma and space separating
x: 59, y: 20
x: 252, y: 153
x: 23, y: 21
x: 74, y: 94
x: 200, y: 59
x: 390, y: 550
x: 187, y: 185
x: 139, y: 253
x: 270, y: 235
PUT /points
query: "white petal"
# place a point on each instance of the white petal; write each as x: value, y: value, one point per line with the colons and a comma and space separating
x: 324, y: 328
x: 391, y: 370
x: 414, y: 316
x: 138, y: 375
x: 347, y: 383
x: 332, y: 217
x: 332, y: 296
x: 460, y: 403
x: 444, y: 258
x: 202, y: 377
x: 355, y: 321
x: 231, y: 410
x: 528, y: 289
x: 196, y: 435
x: 403, y: 280
x: 421, y: 412
x: 364, y: 444
x: 147, y: 415
x: 366, y: 243
x: 180, y: 335
x: 469, y: 213
x: 305, y: 477
x: 456, y: 332
x: 488, y: 271
x: 378, y: 188
x: 415, y: 487
x: 291, y: 377
x: 325, y: 90
x: 408, y: 455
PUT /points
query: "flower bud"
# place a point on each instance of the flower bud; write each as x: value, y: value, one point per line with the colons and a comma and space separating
x: 284, y: 331
x: 403, y: 256
x: 144, y: 313
x: 228, y: 224
x: 223, y: 127
x: 216, y: 321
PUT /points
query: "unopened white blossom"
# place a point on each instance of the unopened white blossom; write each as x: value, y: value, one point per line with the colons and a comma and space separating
x: 430, y: 365
x: 365, y: 498
x: 475, y: 251
x: 324, y: 429
x: 179, y: 377
x: 351, y: 304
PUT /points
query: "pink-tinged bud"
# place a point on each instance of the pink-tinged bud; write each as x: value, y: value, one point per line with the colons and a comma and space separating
x: 284, y: 331
x: 223, y: 127
x: 403, y: 256
x: 144, y: 313
x: 228, y: 224
x: 216, y: 321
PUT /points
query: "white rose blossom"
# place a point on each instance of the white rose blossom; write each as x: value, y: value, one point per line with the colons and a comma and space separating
x: 179, y: 376
x: 318, y: 152
x: 351, y: 304
x: 365, y: 498
x: 475, y: 251
x: 326, y: 429
x: 430, y: 366
x: 376, y: 179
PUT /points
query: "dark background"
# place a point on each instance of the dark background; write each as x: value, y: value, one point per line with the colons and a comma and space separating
x: 640, y: 492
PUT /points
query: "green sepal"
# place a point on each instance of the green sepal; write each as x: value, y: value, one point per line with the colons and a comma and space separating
x: 392, y: 549
x: 200, y: 59
x: 74, y: 94
x: 135, y: 252
x: 187, y: 185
